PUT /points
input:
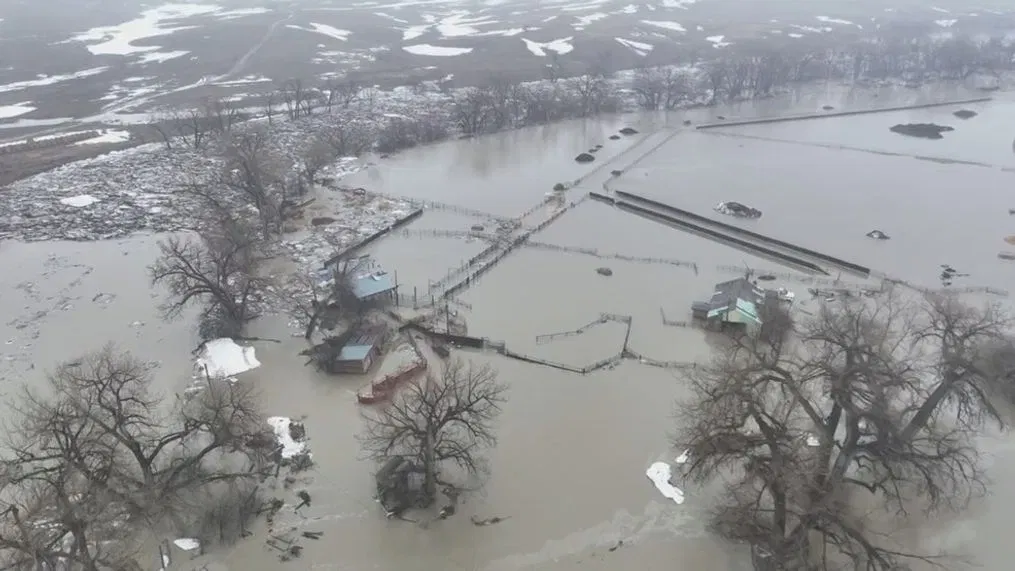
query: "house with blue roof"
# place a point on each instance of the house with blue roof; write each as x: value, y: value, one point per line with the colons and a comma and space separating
x: 736, y: 302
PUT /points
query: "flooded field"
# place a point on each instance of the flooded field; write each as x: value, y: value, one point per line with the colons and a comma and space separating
x: 569, y: 467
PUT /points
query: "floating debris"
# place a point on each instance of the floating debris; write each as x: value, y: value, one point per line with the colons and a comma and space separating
x: 827, y: 107
x: 604, y: 271
x: 628, y: 131
x: 614, y: 137
x: 585, y: 158
x: 921, y: 130
x: 878, y: 235
x: 737, y: 209
x: 965, y: 114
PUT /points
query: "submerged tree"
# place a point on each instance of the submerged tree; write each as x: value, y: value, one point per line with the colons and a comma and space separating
x: 98, y: 453
x: 442, y: 425
x: 874, y: 401
x: 220, y: 270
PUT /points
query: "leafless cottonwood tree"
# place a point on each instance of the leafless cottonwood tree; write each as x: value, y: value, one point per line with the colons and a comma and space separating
x: 97, y: 455
x: 661, y: 87
x: 299, y: 100
x: 349, y: 139
x: 442, y: 423
x: 221, y: 272
x: 872, y: 402
x: 184, y: 128
x: 341, y: 92
x: 221, y: 114
x: 260, y: 177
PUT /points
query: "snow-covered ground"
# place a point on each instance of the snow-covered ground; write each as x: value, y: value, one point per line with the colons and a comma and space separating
x: 223, y: 358
x: 183, y: 43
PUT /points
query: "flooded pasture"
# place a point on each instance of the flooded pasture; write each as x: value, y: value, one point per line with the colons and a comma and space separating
x: 569, y: 468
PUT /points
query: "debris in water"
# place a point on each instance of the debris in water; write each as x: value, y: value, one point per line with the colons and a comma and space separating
x: 559, y: 187
x: 322, y: 221
x: 965, y: 114
x: 878, y: 235
x: 827, y: 107
x: 616, y: 172
x: 736, y: 209
x: 222, y: 358
x: 720, y: 117
x: 660, y: 474
x: 620, y: 543
x: 1006, y: 255
x: 313, y: 534
x: 284, y: 431
x: 628, y: 131
x: 489, y: 521
x: 604, y: 271
x: 585, y: 158
x: 477, y: 228
x: 687, y: 122
x: 766, y: 277
x: 614, y: 137
x: 922, y: 130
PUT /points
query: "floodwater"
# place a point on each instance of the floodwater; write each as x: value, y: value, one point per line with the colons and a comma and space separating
x: 569, y: 468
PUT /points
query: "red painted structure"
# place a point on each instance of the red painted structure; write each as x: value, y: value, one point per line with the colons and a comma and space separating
x: 383, y: 389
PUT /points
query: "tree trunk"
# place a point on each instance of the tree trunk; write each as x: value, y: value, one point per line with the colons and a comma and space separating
x: 430, y: 465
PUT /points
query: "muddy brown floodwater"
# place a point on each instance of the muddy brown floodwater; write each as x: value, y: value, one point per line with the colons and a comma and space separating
x: 569, y: 469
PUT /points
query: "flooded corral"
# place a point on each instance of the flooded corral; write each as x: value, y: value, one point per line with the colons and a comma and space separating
x: 569, y: 468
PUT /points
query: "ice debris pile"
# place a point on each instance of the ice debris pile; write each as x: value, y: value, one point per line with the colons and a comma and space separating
x: 736, y: 209
x: 291, y: 436
x: 139, y: 189
x: 660, y: 473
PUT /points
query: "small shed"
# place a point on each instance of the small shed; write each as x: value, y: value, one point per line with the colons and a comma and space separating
x: 374, y: 285
x: 356, y: 358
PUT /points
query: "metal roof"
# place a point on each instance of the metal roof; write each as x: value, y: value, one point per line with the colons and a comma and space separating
x: 372, y: 284
x: 354, y: 352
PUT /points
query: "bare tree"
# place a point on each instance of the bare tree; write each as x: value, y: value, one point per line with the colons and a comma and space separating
x: 317, y: 154
x: 439, y: 425
x: 98, y: 453
x: 299, y: 101
x: 219, y: 272
x: 221, y: 114
x: 471, y: 110
x: 190, y: 128
x: 849, y: 414
x: 261, y: 177
x: 348, y: 139
x: 341, y: 92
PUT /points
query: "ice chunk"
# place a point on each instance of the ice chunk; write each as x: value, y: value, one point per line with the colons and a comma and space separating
x: 187, y: 543
x: 290, y: 448
x: 660, y: 474
x: 682, y: 459
x: 224, y: 358
x: 813, y: 441
x: 79, y: 201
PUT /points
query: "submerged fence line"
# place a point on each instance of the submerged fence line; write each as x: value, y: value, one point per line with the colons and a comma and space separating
x: 808, y: 116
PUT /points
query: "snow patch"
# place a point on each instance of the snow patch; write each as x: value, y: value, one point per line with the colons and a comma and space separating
x: 119, y: 39
x: 42, y: 79
x: 431, y: 50
x: 795, y: 35
x: 629, y: 9
x: 682, y: 4
x: 324, y: 30
x: 241, y: 12
x: 660, y: 474
x: 245, y: 80
x: 582, y: 21
x: 561, y: 46
x: 222, y: 358
x: 717, y: 41
x: 290, y: 448
x: 160, y: 57
x: 945, y: 23
x: 390, y: 17
x: 665, y: 25
x: 7, y: 111
x: 638, y: 47
x: 941, y: 10
x: 828, y: 20
x: 684, y: 457
x: 108, y: 136
x: 79, y: 201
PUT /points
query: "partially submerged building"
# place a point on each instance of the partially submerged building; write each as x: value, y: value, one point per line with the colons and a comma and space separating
x: 736, y: 303
x: 360, y: 352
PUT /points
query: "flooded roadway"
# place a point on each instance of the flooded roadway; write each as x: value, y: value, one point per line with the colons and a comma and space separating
x: 569, y: 468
